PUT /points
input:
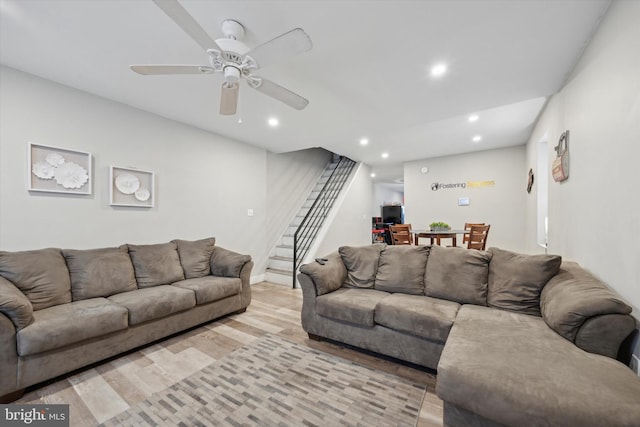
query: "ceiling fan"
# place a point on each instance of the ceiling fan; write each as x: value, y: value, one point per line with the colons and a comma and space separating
x: 231, y: 57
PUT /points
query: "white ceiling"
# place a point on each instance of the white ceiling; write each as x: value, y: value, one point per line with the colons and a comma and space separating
x: 366, y: 76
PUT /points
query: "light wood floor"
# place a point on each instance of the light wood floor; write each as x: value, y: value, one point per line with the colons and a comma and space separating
x: 102, y: 391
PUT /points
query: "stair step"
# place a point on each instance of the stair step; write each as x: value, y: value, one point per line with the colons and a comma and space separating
x: 280, y: 277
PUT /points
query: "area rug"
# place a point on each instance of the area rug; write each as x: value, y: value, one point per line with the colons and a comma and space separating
x: 276, y: 382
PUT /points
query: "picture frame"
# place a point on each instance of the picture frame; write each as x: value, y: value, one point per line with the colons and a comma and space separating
x: 131, y: 187
x: 58, y: 170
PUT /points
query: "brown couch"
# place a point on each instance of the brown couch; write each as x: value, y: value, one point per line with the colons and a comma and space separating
x: 62, y: 309
x: 519, y: 340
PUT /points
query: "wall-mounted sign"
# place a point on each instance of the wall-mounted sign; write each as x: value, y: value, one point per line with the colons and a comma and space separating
x: 463, y: 201
x: 470, y: 184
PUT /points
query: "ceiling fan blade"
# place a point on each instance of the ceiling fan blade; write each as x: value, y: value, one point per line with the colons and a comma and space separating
x: 229, y: 98
x: 180, y: 16
x: 278, y: 92
x: 171, y: 69
x: 282, y: 47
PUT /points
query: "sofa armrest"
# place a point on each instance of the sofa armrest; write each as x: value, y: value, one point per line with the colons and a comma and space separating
x: 15, y: 305
x: 227, y: 263
x: 8, y: 357
x: 328, y: 277
x: 245, y: 278
x: 585, y: 311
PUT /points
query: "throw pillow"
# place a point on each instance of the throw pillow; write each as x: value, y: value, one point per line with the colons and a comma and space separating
x: 361, y: 263
x: 516, y: 280
x: 99, y: 272
x: 227, y: 263
x: 156, y: 264
x: 195, y: 256
x: 401, y: 269
x: 458, y: 274
x: 40, y: 274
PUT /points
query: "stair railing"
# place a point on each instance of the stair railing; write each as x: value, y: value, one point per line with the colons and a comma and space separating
x: 310, y: 225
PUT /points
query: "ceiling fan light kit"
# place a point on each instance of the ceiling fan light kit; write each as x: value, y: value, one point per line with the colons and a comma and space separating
x: 231, y: 57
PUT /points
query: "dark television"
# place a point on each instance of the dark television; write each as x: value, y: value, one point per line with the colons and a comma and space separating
x: 392, y: 214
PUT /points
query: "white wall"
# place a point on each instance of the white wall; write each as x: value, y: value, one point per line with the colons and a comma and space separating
x: 594, y: 216
x: 349, y: 223
x: 290, y: 179
x: 385, y: 194
x: 501, y: 205
x: 204, y: 182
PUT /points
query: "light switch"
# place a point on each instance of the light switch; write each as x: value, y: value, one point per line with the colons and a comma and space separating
x: 463, y: 201
x: 249, y: 212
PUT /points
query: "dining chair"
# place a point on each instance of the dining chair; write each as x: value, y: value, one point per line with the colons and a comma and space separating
x: 467, y: 227
x: 478, y: 237
x: 401, y: 234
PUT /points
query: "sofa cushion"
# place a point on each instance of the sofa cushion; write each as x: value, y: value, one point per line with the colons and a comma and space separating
x: 425, y: 317
x: 66, y: 324
x: 516, y: 280
x: 401, y: 269
x: 156, y: 264
x: 458, y: 274
x: 361, y: 263
x: 574, y: 295
x: 195, y: 256
x: 514, y: 370
x: 15, y: 305
x: 99, y: 272
x: 350, y: 305
x: 227, y: 263
x: 40, y: 274
x: 211, y: 288
x: 326, y: 277
x: 155, y: 302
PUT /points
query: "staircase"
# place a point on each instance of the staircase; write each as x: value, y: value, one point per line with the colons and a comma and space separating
x: 307, y: 223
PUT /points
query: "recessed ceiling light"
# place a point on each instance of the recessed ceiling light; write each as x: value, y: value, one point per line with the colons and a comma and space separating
x: 438, y: 70
x: 273, y: 122
x: 473, y: 118
x: 364, y: 141
x: 373, y: 175
x: 476, y: 138
x: 385, y: 155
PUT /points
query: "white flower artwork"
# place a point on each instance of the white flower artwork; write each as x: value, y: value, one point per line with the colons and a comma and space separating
x: 71, y: 175
x: 59, y: 170
x: 131, y: 187
x: 127, y: 183
x: 142, y: 194
x: 43, y: 170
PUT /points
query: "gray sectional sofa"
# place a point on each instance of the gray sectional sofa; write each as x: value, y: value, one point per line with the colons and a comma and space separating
x: 62, y: 309
x: 517, y: 340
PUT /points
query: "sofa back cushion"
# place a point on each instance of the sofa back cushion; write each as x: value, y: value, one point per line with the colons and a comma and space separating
x: 516, y: 280
x: 573, y: 296
x: 40, y: 274
x: 195, y: 256
x: 99, y: 272
x: 458, y: 274
x: 361, y: 263
x: 156, y: 264
x: 401, y: 269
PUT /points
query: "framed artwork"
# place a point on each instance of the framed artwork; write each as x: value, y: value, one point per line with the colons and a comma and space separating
x: 131, y: 187
x: 58, y: 170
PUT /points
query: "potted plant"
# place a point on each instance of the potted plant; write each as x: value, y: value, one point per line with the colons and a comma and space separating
x: 439, y: 226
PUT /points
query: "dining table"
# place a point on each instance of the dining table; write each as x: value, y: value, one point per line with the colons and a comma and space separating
x: 438, y: 234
